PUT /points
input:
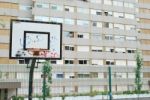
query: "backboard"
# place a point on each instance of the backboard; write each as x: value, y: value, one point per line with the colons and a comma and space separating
x: 26, y: 36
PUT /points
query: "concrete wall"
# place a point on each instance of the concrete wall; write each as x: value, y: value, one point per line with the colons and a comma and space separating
x: 100, y: 97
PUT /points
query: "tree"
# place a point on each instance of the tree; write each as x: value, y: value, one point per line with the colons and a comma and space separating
x: 139, y: 63
x: 46, y: 74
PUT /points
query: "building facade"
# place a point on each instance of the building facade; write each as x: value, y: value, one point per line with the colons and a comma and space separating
x: 96, y: 34
x: 144, y: 11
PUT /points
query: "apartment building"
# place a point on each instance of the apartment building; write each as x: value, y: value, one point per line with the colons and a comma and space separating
x: 96, y: 34
x: 144, y: 20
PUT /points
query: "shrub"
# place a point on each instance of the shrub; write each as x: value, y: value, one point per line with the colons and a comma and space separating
x: 128, y: 92
x: 17, y: 98
x: 135, y: 92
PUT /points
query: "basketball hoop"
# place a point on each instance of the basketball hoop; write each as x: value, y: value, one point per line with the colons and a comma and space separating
x: 36, y: 52
x: 34, y: 43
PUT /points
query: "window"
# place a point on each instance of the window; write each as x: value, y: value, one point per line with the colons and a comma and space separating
x: 56, y: 7
x: 131, y: 38
x: 118, y: 3
x: 21, y: 75
x: 68, y: 34
x: 40, y: 61
x: 130, y: 27
x: 59, y: 61
x: 96, y: 1
x: 80, y: 35
x: 41, y: 5
x: 25, y: 8
x: 108, y: 13
x: 109, y: 49
x: 69, y: 9
x: 69, y: 75
x: 108, y: 2
x: 96, y: 12
x: 83, y: 61
x: 83, y: 48
x: 144, y: 10
x: 128, y: 5
x: 41, y: 18
x: 120, y: 75
x: 54, y: 19
x: 83, y: 35
x: 131, y: 75
x: 83, y: 75
x: 97, y: 62
x: 83, y: 10
x: 97, y: 24
x: 82, y: 22
x: 110, y: 62
x: 120, y: 50
x: 108, y: 25
x: 6, y: 75
x: 24, y: 61
x: 120, y: 62
x: 94, y: 75
x: 119, y: 15
x: 69, y: 21
x: 96, y: 49
x: 53, y: 62
x: 59, y: 75
x: 131, y: 50
x: 131, y: 63
x: 69, y: 47
x: 119, y: 26
x: 130, y: 16
x: 96, y: 36
x: 119, y: 38
x: 56, y: 61
x: 101, y: 75
x: 24, y: 90
x: 12, y: 75
x: 108, y: 37
x: 69, y: 61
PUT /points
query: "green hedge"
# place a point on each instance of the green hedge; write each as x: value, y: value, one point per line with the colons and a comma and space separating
x: 136, y: 92
x: 17, y: 98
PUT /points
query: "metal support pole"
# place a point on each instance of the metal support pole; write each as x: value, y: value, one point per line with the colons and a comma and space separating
x: 110, y: 90
x: 31, y: 78
x: 44, y: 85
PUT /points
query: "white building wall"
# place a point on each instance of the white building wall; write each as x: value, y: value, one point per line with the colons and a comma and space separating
x: 69, y: 89
x: 68, y: 75
x: 83, y: 89
x: 56, y: 90
x: 121, y: 88
x: 97, y: 88
x: 101, y: 75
